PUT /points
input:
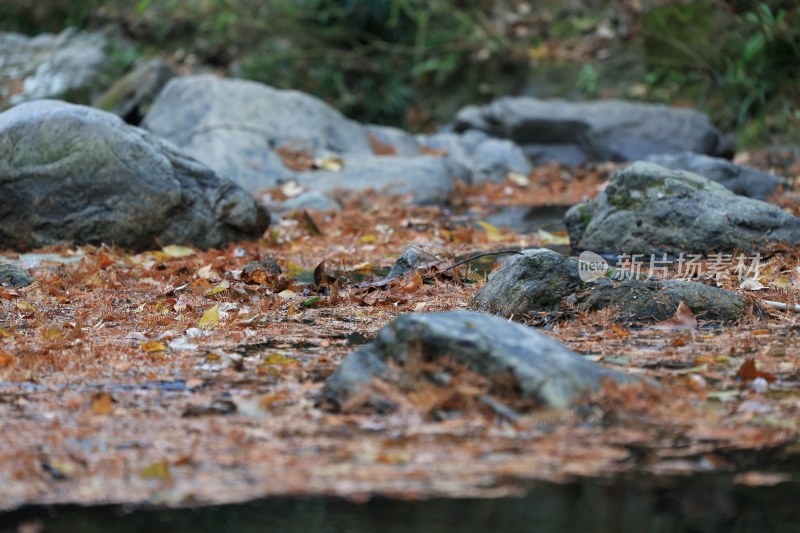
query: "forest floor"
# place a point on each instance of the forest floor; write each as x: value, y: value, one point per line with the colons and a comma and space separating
x: 178, y: 377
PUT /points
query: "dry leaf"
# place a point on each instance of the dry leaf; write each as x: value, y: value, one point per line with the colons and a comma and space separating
x: 210, y: 318
x: 6, y: 359
x: 492, y: 233
x: 748, y: 371
x: 153, y: 346
x: 174, y: 250
x: 683, y: 319
x: 102, y: 403
x: 319, y: 274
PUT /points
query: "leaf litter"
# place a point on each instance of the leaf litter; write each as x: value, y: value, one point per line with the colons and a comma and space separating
x: 184, y: 376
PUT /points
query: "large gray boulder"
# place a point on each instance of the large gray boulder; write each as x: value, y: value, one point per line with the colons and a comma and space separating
x: 78, y: 174
x: 648, y: 209
x: 745, y: 181
x: 234, y: 126
x: 542, y: 369
x: 576, y: 132
x: 542, y: 283
x: 71, y: 66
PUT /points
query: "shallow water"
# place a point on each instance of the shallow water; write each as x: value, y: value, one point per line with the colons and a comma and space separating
x: 707, y: 503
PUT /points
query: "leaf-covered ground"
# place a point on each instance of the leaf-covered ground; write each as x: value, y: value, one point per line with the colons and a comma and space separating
x: 180, y: 376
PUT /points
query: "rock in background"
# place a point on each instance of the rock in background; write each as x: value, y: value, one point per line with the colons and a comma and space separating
x: 243, y: 129
x: 73, y: 173
x: 542, y: 369
x: 648, y: 209
x: 578, y: 132
x: 541, y: 281
x: 70, y: 66
x: 132, y: 95
x: 739, y: 179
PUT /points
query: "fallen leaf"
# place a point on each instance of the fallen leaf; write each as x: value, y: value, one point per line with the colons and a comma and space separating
x: 311, y: 302
x: 751, y: 284
x: 748, y: 371
x: 683, y: 319
x: 153, y: 346
x: 6, y: 359
x: 102, y: 404
x: 319, y: 274
x: 492, y: 233
x: 220, y: 287
x: 210, y: 318
x: 174, y: 250
x: 545, y: 237
x: 308, y: 224
x: 158, y: 470
x: 287, y: 294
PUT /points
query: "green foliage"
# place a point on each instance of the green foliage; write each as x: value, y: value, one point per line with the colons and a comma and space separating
x: 746, y: 73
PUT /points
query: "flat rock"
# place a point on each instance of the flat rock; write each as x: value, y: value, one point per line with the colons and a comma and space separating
x: 742, y: 180
x: 14, y: 276
x: 71, y: 65
x: 71, y: 173
x: 429, y: 180
x: 648, y: 209
x: 577, y: 132
x: 544, y: 370
x: 541, y: 281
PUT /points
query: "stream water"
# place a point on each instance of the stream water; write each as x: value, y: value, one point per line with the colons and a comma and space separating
x: 708, y: 503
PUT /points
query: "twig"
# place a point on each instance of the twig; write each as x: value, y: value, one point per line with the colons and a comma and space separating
x: 474, y: 257
x: 782, y: 306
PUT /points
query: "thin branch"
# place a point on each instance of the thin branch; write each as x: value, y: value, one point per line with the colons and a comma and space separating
x: 474, y: 257
x: 782, y: 306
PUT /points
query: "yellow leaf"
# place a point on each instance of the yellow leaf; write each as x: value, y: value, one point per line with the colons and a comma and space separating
x: 25, y: 306
x: 545, y: 237
x: 286, y: 295
x: 155, y: 471
x: 5, y: 334
x: 491, y: 231
x: 153, y: 346
x: 221, y: 287
x: 52, y: 332
x: 293, y: 270
x: 332, y: 163
x: 173, y: 250
x: 781, y: 282
x: 367, y: 239
x: 210, y: 318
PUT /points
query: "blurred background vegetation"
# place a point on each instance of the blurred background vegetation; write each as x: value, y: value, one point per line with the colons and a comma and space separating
x: 413, y: 63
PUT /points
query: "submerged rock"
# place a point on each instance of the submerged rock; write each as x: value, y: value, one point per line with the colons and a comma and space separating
x: 648, y: 209
x: 745, y: 181
x: 541, y: 369
x: 576, y: 132
x: 77, y: 174
x: 543, y: 281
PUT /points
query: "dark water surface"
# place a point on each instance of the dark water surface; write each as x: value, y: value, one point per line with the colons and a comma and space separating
x: 700, y: 503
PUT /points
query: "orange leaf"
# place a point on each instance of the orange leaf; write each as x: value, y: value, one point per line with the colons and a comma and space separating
x: 748, y: 371
x: 413, y: 285
x: 102, y: 404
x: 6, y: 359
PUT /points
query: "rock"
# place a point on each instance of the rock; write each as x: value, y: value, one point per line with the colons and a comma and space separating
x: 486, y: 158
x: 133, y: 94
x: 543, y: 281
x: 405, y: 264
x: 428, y: 180
x: 575, y: 132
x: 386, y: 140
x: 14, y: 276
x: 311, y: 200
x: 541, y: 368
x: 78, y: 174
x: 741, y: 180
x: 71, y: 65
x: 648, y: 209
x: 234, y: 126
